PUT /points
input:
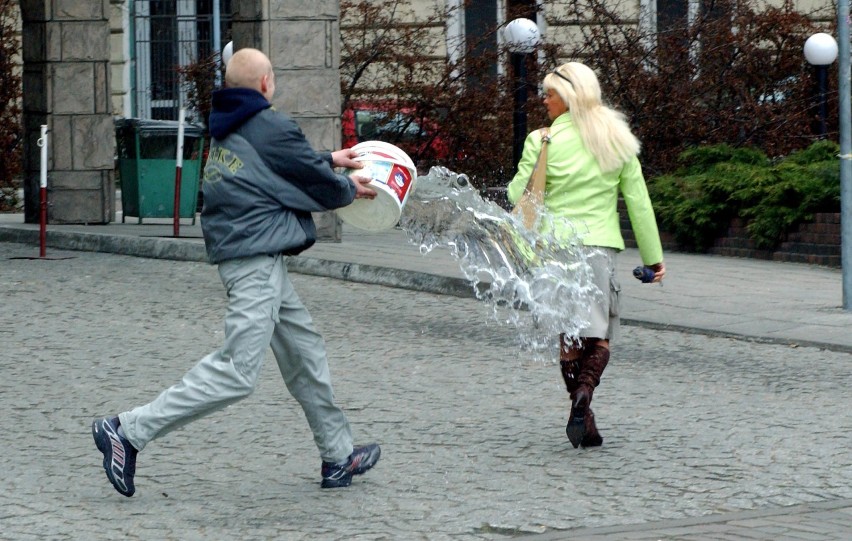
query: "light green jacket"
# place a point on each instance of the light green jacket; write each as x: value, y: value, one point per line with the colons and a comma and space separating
x: 578, y: 191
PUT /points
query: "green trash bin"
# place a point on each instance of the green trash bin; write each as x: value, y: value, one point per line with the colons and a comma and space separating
x: 147, y: 152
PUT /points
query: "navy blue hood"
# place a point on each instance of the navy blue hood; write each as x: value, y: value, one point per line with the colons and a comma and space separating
x: 232, y: 107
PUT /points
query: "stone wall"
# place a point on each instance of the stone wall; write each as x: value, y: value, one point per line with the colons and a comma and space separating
x: 817, y: 243
x: 67, y: 48
x: 302, y: 39
x: 66, y: 87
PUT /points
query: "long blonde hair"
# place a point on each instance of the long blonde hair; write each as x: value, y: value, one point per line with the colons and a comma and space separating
x: 604, y: 131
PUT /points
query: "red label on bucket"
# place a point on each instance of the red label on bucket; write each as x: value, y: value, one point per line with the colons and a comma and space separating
x: 399, y: 181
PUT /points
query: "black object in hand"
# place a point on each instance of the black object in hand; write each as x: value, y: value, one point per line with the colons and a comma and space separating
x: 645, y: 274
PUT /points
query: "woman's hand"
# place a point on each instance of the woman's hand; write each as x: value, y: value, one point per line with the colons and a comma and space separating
x: 659, y: 271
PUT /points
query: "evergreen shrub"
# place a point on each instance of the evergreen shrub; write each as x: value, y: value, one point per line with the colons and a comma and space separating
x: 718, y: 183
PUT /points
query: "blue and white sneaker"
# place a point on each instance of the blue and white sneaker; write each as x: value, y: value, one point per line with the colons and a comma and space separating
x: 361, y: 460
x: 119, y: 455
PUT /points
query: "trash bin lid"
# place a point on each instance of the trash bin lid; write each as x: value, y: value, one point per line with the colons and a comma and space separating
x: 159, y: 127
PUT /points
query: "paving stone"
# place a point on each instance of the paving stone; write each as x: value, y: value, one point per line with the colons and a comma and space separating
x: 472, y: 430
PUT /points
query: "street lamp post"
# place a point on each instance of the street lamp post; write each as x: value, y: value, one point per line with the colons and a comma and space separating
x: 521, y: 37
x: 844, y: 127
x: 821, y: 51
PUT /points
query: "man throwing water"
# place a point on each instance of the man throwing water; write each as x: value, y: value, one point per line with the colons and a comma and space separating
x: 262, y: 180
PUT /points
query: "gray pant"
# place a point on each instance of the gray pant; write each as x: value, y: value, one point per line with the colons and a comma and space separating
x: 263, y: 310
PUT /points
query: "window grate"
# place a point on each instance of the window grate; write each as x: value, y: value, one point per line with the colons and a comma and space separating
x: 169, y: 34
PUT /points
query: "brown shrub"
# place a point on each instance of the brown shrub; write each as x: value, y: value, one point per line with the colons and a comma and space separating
x: 11, y: 122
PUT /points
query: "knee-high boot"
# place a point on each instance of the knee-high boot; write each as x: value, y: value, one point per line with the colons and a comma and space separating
x: 570, y: 367
x: 581, y: 428
x: 570, y: 373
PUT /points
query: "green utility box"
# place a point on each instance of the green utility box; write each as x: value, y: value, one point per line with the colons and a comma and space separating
x: 147, y: 159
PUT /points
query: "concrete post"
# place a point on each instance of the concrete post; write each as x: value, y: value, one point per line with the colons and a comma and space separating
x: 302, y: 39
x: 66, y: 49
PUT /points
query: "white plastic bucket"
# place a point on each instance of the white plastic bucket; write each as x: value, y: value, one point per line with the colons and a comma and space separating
x: 393, y: 175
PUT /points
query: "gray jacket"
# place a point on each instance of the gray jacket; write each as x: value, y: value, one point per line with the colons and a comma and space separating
x: 262, y: 180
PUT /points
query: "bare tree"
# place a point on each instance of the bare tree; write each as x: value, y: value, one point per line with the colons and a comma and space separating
x: 11, y: 129
x: 735, y: 74
x: 732, y: 74
x: 404, y: 66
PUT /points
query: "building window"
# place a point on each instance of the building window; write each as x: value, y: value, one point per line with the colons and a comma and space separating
x: 472, y: 30
x: 521, y: 8
x: 674, y: 21
x: 169, y: 34
x: 480, y: 22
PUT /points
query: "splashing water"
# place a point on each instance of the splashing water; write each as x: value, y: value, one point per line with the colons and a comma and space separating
x: 546, y: 283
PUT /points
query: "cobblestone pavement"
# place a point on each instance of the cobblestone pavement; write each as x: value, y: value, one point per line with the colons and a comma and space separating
x: 472, y: 431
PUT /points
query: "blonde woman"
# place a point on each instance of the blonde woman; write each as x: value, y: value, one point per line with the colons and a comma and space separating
x: 591, y: 157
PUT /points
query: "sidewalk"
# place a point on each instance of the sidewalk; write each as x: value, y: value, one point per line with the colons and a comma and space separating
x: 785, y: 303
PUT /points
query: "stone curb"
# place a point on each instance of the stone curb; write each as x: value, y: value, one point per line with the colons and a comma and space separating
x: 735, y: 336
x: 154, y: 247
x: 384, y: 276
x: 178, y: 250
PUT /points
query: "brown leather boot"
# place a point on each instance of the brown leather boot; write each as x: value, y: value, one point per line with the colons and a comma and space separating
x: 570, y: 367
x: 581, y: 428
x: 570, y: 372
x: 592, y: 438
x: 576, y: 427
x: 592, y: 365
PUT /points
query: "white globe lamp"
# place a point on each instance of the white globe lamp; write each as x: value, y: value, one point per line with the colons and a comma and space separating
x: 522, y: 36
x: 227, y: 53
x: 820, y: 49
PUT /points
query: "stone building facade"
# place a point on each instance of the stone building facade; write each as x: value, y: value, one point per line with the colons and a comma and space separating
x: 302, y: 39
x: 75, y: 78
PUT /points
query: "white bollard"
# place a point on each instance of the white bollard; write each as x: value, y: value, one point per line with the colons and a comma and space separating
x: 178, y: 168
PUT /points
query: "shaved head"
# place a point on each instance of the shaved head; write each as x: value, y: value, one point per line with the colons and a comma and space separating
x: 249, y: 68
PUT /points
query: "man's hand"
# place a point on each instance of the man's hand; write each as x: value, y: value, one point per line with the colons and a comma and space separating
x: 344, y: 158
x: 362, y: 191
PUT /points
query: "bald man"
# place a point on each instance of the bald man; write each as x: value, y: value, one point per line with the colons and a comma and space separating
x: 262, y: 180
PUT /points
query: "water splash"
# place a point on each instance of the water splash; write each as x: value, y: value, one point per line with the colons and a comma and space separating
x: 541, y: 285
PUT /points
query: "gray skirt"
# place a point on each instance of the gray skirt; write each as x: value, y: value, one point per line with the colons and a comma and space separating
x: 603, y: 319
